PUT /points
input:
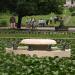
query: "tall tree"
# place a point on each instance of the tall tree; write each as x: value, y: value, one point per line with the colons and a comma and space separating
x: 11, y: 5
x: 36, y: 7
x: 3, y: 5
x: 24, y: 8
x: 72, y: 1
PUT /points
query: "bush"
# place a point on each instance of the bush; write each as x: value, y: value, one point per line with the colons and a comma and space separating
x: 11, y: 64
x: 3, y: 23
x: 73, y: 14
x: 72, y: 9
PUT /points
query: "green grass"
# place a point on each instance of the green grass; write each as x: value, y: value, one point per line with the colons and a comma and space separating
x: 72, y: 21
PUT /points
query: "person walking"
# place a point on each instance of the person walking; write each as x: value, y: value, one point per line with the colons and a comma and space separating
x: 32, y: 22
x: 13, y: 22
x: 51, y: 19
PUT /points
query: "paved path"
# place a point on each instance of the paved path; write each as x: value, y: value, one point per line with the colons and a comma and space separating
x: 38, y: 28
x: 71, y: 29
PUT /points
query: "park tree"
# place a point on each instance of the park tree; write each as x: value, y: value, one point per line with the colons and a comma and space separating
x: 37, y: 7
x: 3, y: 5
x: 11, y: 5
x: 72, y: 1
x: 25, y: 8
x: 32, y: 7
x: 6, y: 5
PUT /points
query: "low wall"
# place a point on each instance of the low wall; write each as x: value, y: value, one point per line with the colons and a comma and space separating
x: 66, y: 53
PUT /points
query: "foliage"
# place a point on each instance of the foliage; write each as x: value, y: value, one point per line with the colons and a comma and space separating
x: 32, y: 7
x: 3, y: 23
x: 11, y: 64
x: 72, y: 9
x: 73, y: 13
x: 3, y: 5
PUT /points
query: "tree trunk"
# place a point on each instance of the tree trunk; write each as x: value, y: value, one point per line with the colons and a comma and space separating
x: 71, y: 1
x: 19, y: 22
x: 65, y: 1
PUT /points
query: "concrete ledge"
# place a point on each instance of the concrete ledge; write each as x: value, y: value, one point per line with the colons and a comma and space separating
x: 59, y: 53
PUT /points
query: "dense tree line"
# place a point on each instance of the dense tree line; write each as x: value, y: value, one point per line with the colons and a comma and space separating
x: 31, y: 7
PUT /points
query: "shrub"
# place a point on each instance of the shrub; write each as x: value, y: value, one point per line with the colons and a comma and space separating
x: 72, y: 9
x: 73, y: 14
x: 3, y: 23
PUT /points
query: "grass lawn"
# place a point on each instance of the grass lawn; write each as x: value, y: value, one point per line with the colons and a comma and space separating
x: 71, y: 21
